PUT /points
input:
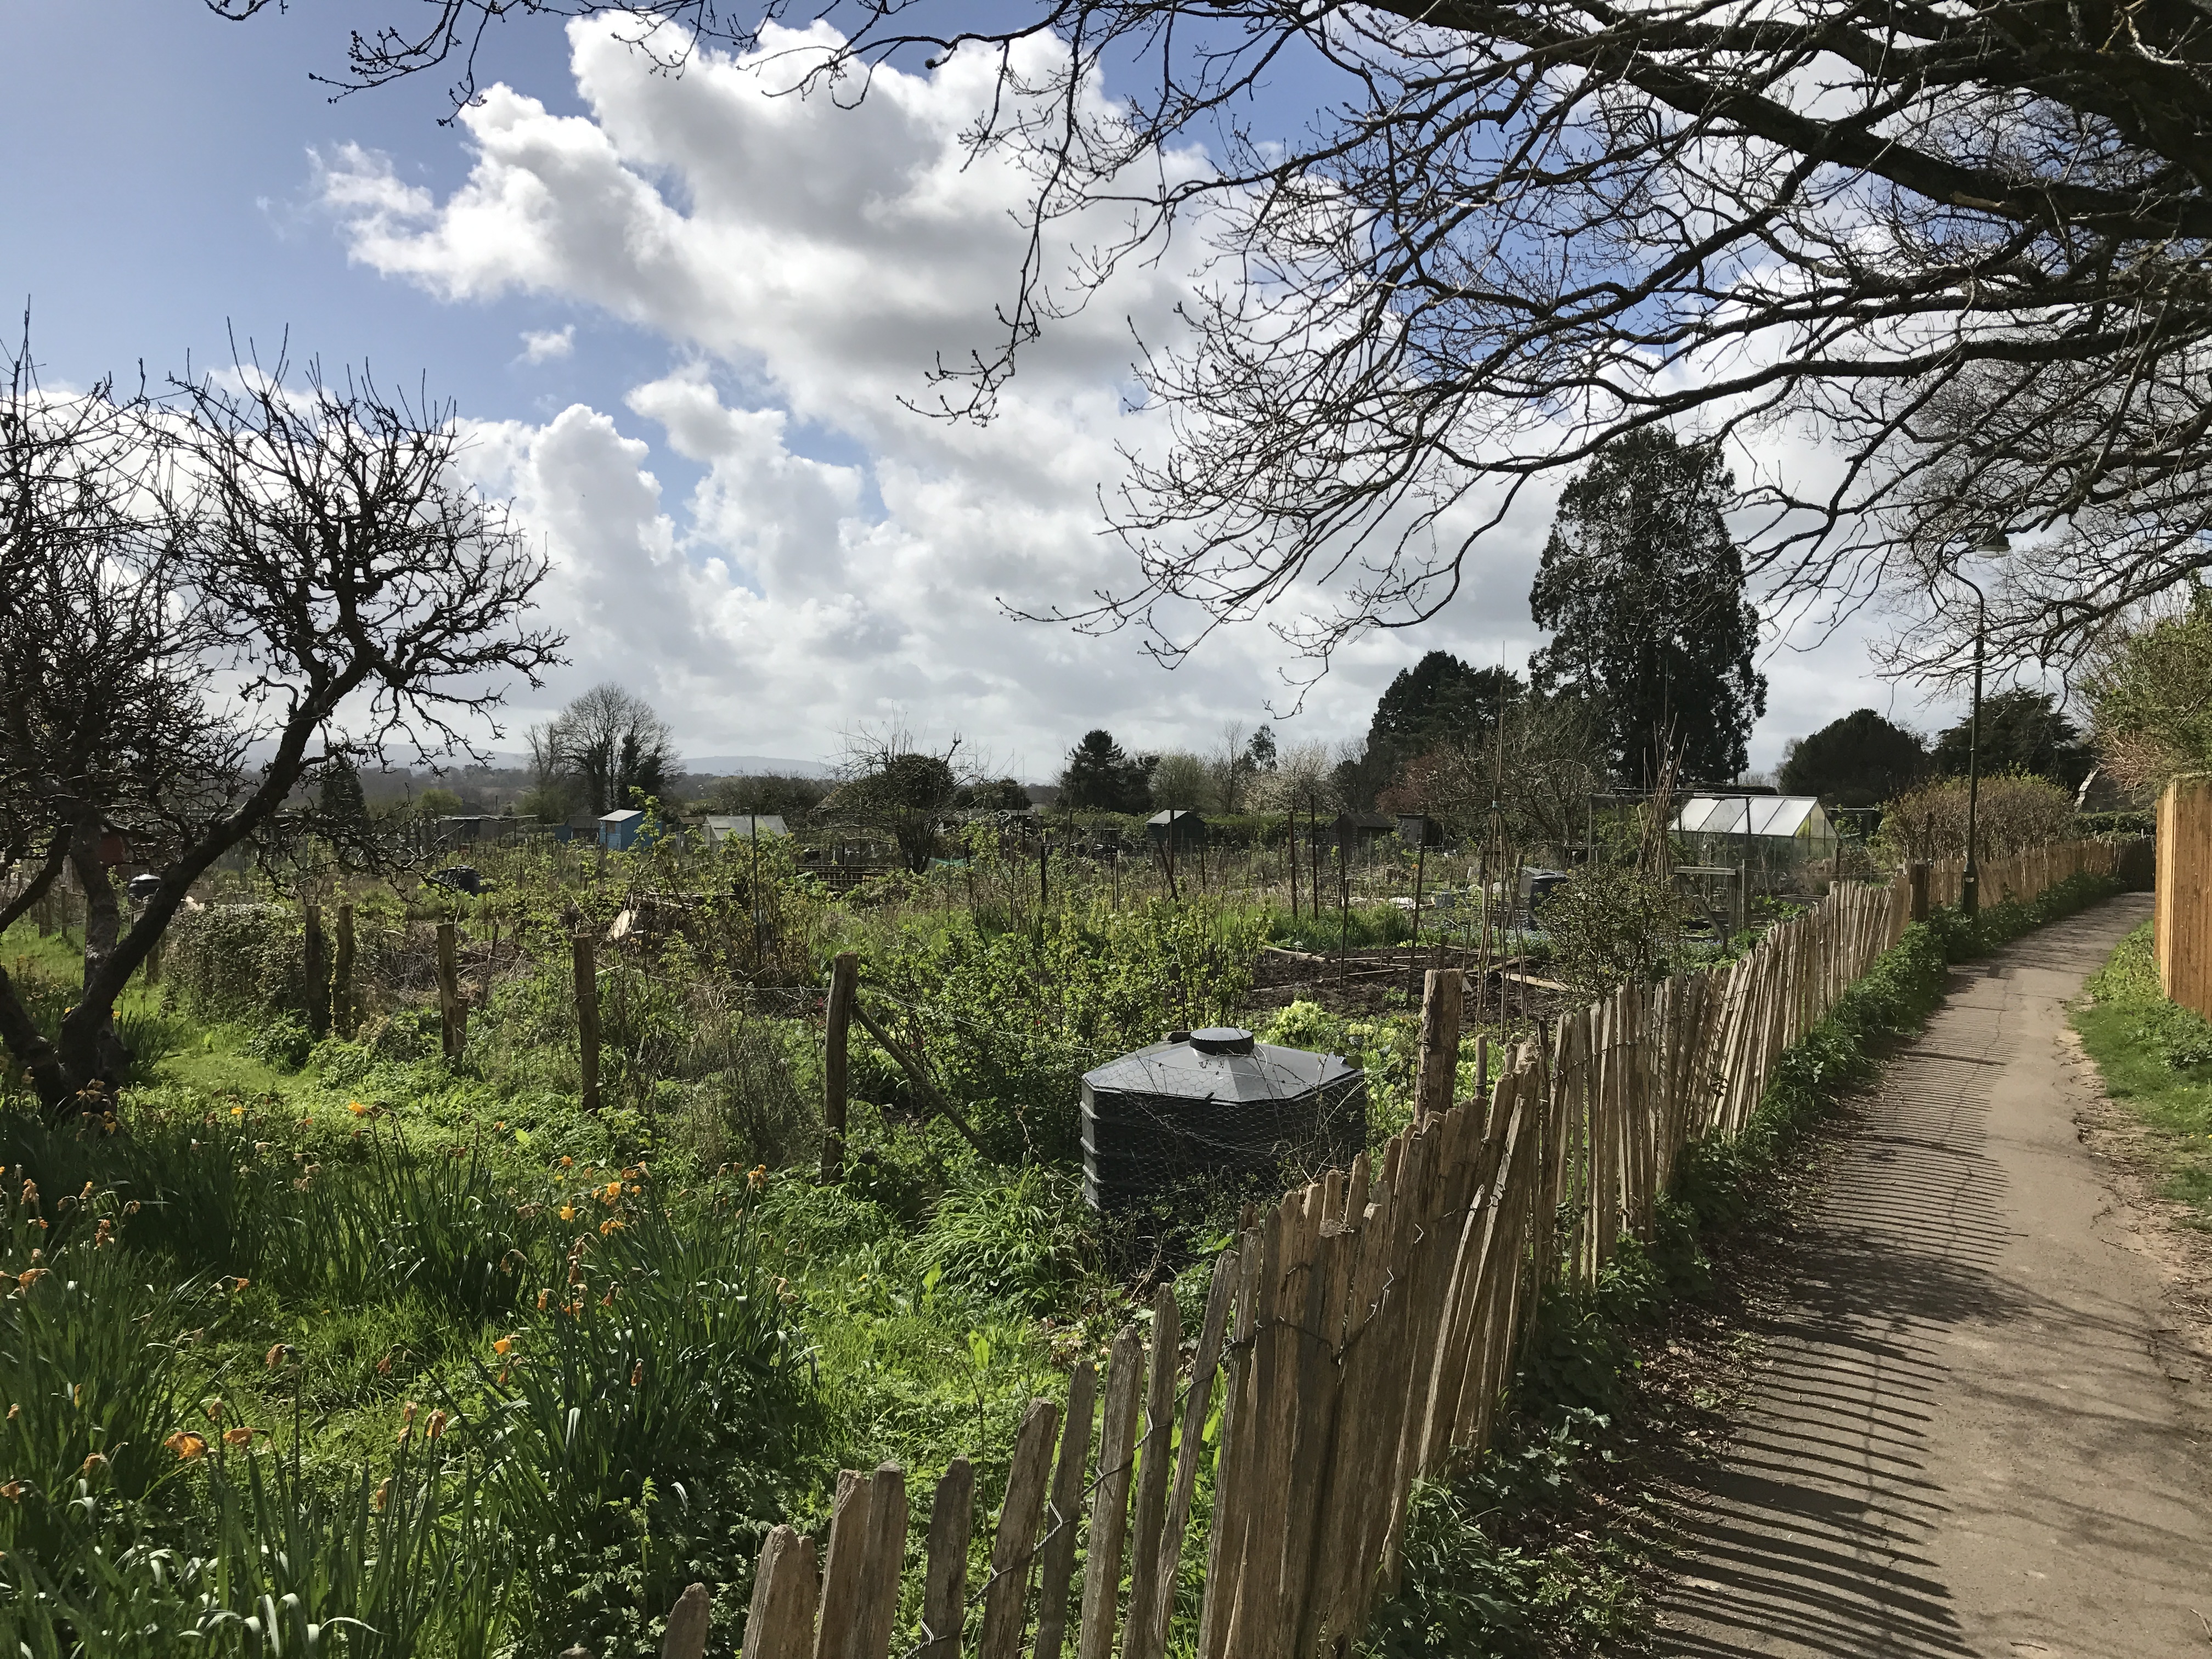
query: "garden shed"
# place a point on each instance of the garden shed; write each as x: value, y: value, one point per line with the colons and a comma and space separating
x: 742, y: 826
x: 1775, y: 836
x: 619, y: 831
x: 1178, y: 828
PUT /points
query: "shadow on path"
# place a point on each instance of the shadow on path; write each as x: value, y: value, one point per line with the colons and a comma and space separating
x: 1895, y: 1487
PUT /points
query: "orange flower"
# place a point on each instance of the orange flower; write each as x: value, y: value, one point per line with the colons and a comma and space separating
x: 756, y: 1177
x: 277, y: 1355
x: 12, y: 1491
x: 503, y: 1345
x: 384, y: 1366
x: 356, y: 1108
x: 240, y: 1437
x: 31, y: 1276
x: 381, y: 1496
x: 97, y: 1461
x: 187, y: 1444
x: 436, y: 1425
x: 614, y: 1189
x: 238, y: 1111
x: 237, y: 1284
x: 567, y: 1212
x: 637, y: 1374
x: 567, y: 1163
x: 543, y: 1296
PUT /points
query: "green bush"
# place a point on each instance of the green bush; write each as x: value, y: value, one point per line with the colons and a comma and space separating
x: 237, y: 961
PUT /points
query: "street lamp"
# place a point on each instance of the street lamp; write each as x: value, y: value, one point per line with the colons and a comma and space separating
x: 1994, y: 545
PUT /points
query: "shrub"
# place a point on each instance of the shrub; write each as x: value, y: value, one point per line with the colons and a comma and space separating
x: 1612, y: 923
x: 237, y: 961
x: 2014, y: 813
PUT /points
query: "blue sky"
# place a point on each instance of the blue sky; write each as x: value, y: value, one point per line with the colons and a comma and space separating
x: 729, y: 295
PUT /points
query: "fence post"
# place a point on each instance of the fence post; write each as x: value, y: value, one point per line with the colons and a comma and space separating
x: 316, y: 953
x: 1916, y: 877
x: 341, y: 975
x: 1442, y: 1000
x: 837, y: 1025
x: 587, y: 1019
x: 687, y: 1625
x: 452, y: 1014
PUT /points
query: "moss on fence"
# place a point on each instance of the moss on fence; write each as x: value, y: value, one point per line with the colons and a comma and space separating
x: 1545, y: 1545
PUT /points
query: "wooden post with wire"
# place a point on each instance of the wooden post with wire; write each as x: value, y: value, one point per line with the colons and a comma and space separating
x: 837, y: 1029
x: 452, y: 1013
x: 342, y: 1012
x: 587, y: 1018
x: 315, y: 964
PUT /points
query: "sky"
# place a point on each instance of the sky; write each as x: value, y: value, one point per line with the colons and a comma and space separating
x: 686, y: 319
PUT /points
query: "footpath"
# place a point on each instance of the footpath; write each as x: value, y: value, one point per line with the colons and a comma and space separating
x: 1972, y: 1433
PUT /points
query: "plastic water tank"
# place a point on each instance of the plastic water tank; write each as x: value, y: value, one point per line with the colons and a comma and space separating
x: 1214, y: 1105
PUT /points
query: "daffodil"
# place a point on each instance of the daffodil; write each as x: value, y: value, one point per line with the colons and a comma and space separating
x: 187, y: 1444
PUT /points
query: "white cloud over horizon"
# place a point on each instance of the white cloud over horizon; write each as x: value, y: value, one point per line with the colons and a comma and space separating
x: 840, y: 557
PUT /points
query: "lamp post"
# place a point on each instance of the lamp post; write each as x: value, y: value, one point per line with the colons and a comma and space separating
x: 1969, y: 880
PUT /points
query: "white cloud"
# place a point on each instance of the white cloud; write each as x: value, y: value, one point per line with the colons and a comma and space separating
x: 809, y: 262
x: 548, y: 345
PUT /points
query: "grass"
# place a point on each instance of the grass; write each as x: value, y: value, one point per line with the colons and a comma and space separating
x: 2155, y: 1059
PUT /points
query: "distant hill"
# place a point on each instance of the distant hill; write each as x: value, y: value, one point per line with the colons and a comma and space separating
x: 754, y: 766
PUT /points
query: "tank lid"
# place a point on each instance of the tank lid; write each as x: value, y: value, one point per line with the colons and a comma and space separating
x: 1222, y: 1040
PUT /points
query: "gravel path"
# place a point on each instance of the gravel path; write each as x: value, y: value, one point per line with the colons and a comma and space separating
x: 1970, y: 1436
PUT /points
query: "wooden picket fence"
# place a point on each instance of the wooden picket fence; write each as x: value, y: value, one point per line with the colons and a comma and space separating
x: 2024, y: 875
x: 1358, y: 1336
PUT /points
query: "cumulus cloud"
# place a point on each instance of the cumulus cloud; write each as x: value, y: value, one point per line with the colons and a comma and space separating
x: 549, y: 344
x: 809, y: 262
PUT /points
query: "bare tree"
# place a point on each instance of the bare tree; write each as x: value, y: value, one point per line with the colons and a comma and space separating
x: 232, y: 588
x: 1965, y: 245
x: 890, y: 782
x: 604, y: 745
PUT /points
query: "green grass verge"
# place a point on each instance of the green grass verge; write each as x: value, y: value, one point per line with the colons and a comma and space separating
x: 1547, y: 1545
x: 2155, y: 1058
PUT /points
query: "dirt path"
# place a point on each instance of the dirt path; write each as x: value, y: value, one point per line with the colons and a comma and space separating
x: 1970, y: 1435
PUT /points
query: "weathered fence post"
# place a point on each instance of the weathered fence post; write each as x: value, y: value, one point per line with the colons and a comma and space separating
x: 1916, y: 879
x: 315, y: 953
x: 1441, y: 1005
x: 341, y: 975
x: 837, y: 1025
x: 453, y: 1016
x: 587, y: 1019
x: 687, y: 1625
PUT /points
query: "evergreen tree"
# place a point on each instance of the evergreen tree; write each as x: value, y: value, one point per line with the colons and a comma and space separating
x: 339, y: 797
x: 1642, y: 589
x: 1861, y: 760
x: 1440, y: 699
x: 1101, y: 777
x: 2022, y: 730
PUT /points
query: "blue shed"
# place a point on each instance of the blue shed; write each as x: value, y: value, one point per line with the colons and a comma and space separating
x: 618, y: 831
